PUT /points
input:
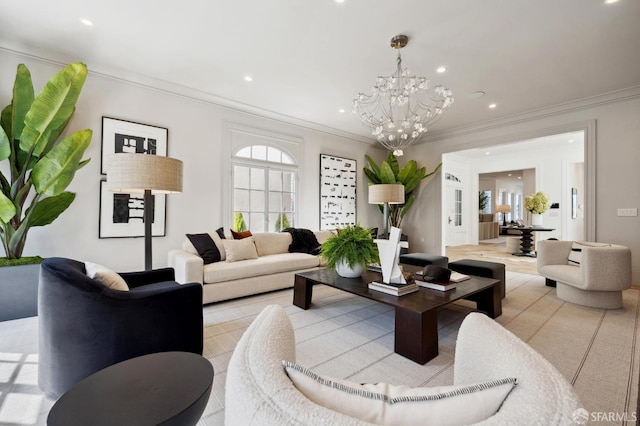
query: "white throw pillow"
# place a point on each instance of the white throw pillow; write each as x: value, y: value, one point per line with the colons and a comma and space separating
x: 105, y: 276
x: 240, y: 249
x: 401, y: 405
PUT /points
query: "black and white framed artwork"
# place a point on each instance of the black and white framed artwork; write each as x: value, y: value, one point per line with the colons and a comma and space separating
x: 127, y: 136
x: 121, y: 215
x: 337, y: 192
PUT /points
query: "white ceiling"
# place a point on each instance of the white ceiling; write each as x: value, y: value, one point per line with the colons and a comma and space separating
x: 309, y: 58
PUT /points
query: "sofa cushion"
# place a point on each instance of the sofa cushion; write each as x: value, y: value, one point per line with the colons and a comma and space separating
x: 239, y: 235
x: 275, y: 263
x: 271, y: 242
x: 189, y: 248
x: 575, y: 256
x: 105, y: 276
x: 322, y: 236
x: 206, y: 247
x: 242, y: 249
x: 401, y: 405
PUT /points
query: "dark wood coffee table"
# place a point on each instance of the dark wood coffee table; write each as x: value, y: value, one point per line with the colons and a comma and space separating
x: 416, y: 319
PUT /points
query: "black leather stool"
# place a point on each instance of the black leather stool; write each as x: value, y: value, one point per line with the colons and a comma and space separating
x: 481, y: 268
x: 423, y: 259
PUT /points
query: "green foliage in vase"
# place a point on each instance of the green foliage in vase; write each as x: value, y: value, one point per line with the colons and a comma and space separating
x: 40, y: 165
x: 353, y: 244
x: 238, y: 222
x: 389, y: 172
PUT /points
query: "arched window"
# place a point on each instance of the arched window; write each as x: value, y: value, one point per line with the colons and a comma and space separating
x: 264, y: 182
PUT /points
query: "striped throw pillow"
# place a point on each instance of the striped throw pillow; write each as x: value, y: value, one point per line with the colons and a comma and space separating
x: 386, y: 404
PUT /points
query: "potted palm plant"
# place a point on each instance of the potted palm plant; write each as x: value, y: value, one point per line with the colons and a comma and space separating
x: 389, y: 172
x: 350, y: 250
x: 41, y: 164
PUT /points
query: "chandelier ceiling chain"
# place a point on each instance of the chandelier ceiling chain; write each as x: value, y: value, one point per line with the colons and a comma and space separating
x: 401, y: 106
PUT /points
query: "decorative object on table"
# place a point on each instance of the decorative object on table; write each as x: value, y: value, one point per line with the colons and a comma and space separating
x: 536, y: 204
x: 145, y: 174
x: 394, y: 289
x: 350, y: 250
x: 30, y: 130
x: 136, y: 138
x: 389, y: 172
x: 389, y: 251
x: 386, y: 194
x: 504, y: 209
x: 401, y: 106
x: 337, y: 192
x: 40, y: 166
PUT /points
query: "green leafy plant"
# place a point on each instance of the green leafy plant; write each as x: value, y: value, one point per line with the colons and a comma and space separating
x: 389, y: 172
x: 483, y: 199
x: 282, y: 222
x: 353, y: 244
x: 238, y: 222
x: 537, y: 203
x: 30, y: 129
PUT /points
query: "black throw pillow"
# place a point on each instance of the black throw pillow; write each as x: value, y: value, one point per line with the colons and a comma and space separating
x: 220, y: 232
x: 205, y: 246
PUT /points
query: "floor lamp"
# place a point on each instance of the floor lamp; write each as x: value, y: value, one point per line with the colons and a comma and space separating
x: 386, y: 194
x: 144, y: 174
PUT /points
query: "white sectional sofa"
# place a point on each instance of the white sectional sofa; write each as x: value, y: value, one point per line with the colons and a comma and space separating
x: 273, y: 268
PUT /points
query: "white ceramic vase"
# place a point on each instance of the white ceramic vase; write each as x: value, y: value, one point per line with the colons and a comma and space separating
x: 536, y: 220
x: 343, y: 269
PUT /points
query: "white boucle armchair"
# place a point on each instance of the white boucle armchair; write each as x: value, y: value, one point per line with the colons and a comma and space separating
x: 604, y: 270
x: 259, y: 392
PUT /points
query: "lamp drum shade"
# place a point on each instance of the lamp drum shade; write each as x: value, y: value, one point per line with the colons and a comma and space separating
x: 503, y: 208
x: 135, y: 173
x: 386, y: 193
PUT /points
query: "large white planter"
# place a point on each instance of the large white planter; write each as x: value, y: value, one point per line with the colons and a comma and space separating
x: 345, y: 271
x: 536, y: 220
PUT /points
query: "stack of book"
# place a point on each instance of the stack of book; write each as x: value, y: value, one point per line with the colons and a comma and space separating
x: 394, y: 289
x: 456, y: 277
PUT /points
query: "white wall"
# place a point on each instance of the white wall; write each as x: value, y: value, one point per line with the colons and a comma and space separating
x: 197, y: 135
x: 615, y: 133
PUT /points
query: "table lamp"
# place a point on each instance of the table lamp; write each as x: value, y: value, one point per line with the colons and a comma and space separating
x: 504, y: 209
x: 144, y: 174
x: 386, y: 194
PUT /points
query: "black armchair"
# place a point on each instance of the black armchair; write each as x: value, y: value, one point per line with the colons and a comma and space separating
x: 85, y: 326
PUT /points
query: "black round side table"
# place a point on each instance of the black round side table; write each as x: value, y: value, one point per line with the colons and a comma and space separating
x: 168, y: 388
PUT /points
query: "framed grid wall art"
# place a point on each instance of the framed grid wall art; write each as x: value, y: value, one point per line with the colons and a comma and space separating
x: 127, y: 136
x: 121, y: 215
x: 337, y: 192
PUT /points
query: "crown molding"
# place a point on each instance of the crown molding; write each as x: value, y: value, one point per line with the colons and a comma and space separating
x: 563, y: 108
x: 115, y: 74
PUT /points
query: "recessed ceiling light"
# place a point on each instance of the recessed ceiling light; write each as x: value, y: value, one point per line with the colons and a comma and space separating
x: 341, y: 110
x: 86, y: 22
x: 492, y: 106
x: 519, y: 177
x: 441, y: 69
x: 610, y: 1
x: 475, y: 95
x: 510, y: 174
x: 339, y: 1
x: 487, y: 153
x: 570, y: 140
x: 248, y: 78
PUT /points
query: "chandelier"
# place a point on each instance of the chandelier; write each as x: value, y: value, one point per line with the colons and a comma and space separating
x: 401, y: 106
